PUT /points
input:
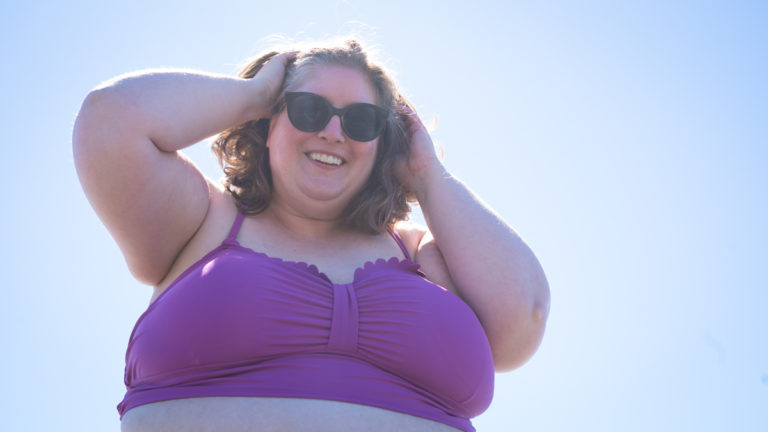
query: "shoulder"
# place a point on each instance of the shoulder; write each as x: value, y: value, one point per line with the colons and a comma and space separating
x: 411, y: 233
x: 425, y: 251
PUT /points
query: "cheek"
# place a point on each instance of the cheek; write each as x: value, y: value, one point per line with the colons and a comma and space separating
x: 283, y: 140
x: 272, y: 132
x: 368, y: 150
x: 276, y: 144
x: 372, y: 153
x: 280, y: 130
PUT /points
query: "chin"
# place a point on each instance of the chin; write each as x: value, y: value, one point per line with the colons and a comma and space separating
x: 325, y: 204
x: 330, y: 194
x: 324, y: 195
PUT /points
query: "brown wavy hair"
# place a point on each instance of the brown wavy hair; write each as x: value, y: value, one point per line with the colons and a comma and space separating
x: 244, y: 156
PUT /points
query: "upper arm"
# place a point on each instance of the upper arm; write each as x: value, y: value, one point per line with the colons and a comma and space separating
x: 152, y: 202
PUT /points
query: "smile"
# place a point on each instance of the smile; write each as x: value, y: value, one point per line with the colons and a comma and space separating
x: 325, y: 158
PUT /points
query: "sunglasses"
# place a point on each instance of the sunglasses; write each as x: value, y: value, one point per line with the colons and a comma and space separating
x: 309, y: 112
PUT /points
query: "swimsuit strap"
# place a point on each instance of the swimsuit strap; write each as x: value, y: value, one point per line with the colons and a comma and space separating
x: 399, y: 242
x: 235, y: 228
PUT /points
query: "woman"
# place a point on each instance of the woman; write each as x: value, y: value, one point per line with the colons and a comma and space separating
x: 392, y: 326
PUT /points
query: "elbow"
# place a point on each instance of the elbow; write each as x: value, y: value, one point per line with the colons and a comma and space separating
x: 97, y: 110
x: 87, y: 148
x: 96, y: 132
x: 88, y: 121
x: 516, y: 351
x: 100, y: 101
x: 95, y: 102
x: 520, y: 339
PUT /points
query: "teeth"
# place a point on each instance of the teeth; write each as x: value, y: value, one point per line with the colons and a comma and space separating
x: 325, y: 158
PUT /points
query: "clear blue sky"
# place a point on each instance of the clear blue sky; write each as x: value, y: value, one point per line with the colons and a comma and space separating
x: 626, y: 141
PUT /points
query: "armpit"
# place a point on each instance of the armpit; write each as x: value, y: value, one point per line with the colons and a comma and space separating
x: 430, y: 258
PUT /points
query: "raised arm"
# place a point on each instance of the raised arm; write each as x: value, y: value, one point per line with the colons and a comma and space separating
x: 476, y: 251
x: 126, y: 139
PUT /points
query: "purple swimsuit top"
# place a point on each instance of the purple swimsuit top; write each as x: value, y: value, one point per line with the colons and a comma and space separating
x: 241, y: 323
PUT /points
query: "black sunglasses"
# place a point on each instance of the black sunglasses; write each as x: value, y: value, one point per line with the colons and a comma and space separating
x: 309, y: 112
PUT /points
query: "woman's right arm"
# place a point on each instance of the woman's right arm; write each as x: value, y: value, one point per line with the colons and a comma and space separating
x: 126, y: 139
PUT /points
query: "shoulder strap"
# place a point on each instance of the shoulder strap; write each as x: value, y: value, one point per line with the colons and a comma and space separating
x: 235, y: 228
x: 399, y: 242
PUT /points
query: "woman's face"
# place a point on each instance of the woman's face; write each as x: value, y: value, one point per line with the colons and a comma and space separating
x: 319, y: 172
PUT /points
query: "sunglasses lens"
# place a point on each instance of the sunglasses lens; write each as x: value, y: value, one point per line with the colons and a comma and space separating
x: 361, y: 122
x: 308, y: 112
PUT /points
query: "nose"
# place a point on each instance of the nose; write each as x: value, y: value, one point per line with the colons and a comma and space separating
x: 332, y: 131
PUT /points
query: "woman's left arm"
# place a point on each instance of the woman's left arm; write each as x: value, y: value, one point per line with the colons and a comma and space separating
x: 490, y: 266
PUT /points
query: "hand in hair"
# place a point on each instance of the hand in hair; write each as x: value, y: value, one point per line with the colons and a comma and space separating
x: 421, y: 163
x: 270, y: 78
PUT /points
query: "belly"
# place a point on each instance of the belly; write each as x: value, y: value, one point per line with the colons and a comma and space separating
x: 261, y: 414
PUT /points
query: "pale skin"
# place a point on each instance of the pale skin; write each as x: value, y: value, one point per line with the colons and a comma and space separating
x: 165, y: 215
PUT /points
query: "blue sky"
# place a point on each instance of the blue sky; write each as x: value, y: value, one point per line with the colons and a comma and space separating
x: 627, y: 142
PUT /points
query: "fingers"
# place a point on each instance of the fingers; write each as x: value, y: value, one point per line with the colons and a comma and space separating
x: 408, y: 116
x: 279, y: 62
x: 269, y: 79
x: 403, y: 110
x: 284, y: 58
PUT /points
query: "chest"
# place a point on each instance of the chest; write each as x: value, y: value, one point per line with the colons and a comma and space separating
x: 336, y: 260
x: 241, y: 307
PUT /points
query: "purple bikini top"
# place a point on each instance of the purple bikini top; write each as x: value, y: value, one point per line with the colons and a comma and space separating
x: 241, y: 323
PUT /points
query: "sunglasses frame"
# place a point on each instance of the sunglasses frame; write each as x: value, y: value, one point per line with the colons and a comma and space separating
x: 381, y: 114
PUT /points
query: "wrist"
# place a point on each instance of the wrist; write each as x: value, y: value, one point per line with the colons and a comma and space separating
x: 428, y: 177
x: 259, y: 104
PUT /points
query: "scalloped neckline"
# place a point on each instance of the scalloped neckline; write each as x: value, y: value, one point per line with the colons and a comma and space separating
x: 357, y: 274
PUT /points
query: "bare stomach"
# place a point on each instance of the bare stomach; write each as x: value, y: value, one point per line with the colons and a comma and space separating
x: 262, y: 414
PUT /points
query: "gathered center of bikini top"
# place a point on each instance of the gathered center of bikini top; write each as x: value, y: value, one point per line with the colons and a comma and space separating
x: 241, y: 323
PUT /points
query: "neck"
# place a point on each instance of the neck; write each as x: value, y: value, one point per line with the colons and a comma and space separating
x: 301, y: 224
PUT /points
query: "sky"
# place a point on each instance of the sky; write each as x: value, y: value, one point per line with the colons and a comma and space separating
x: 627, y: 143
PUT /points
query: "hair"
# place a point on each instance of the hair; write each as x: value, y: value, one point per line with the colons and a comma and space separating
x: 244, y: 156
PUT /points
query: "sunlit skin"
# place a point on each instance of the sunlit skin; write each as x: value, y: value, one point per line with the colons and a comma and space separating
x: 161, y: 234
x: 312, y: 188
x: 308, y: 199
